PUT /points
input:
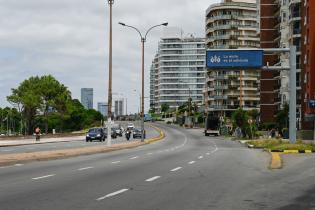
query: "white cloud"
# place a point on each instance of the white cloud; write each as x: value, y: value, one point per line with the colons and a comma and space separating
x: 69, y: 39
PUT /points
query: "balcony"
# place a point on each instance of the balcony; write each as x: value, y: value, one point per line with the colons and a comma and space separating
x: 220, y: 77
x: 220, y: 97
x: 219, y: 87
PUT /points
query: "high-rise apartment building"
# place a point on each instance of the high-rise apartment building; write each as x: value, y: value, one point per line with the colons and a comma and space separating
x: 284, y: 23
x: 308, y: 61
x: 119, y: 107
x: 102, y: 107
x: 230, y: 25
x: 87, y: 97
x: 178, y: 70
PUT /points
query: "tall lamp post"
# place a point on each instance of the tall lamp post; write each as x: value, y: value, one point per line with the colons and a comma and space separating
x: 109, y: 112
x: 143, y: 39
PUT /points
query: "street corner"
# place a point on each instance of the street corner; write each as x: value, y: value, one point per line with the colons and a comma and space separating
x: 277, y: 156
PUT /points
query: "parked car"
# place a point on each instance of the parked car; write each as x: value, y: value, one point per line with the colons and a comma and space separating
x: 95, y: 134
x: 113, y: 133
x: 130, y: 126
x: 137, y: 133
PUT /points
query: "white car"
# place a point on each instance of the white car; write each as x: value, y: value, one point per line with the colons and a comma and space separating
x: 130, y: 126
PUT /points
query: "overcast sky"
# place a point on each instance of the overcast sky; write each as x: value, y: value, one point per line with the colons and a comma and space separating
x: 69, y: 40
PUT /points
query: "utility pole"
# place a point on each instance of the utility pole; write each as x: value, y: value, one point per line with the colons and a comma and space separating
x: 109, y: 115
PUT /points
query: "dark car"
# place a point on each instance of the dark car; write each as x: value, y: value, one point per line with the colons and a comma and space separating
x: 136, y: 133
x: 113, y: 133
x: 95, y: 134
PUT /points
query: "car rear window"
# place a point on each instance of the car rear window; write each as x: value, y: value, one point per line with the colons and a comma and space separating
x: 94, y: 130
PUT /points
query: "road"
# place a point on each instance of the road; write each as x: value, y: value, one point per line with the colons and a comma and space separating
x: 77, y: 143
x: 184, y: 171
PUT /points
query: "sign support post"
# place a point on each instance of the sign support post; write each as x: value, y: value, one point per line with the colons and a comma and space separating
x: 292, y: 105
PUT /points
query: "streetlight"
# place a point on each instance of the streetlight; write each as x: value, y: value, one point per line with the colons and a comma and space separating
x: 109, y: 112
x: 143, y: 39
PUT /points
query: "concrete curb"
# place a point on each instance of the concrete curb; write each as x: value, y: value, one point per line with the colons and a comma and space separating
x: 162, y: 135
x: 37, y: 142
x: 293, y: 151
x: 276, y: 161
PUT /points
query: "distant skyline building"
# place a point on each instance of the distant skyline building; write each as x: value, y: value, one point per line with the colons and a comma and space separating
x: 87, y: 97
x: 177, y: 70
x: 232, y: 25
x: 102, y: 107
x: 119, y: 107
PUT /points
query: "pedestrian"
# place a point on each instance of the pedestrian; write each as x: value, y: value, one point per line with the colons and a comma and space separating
x: 37, y: 133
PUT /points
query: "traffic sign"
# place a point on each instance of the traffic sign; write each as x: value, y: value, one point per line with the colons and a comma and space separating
x: 312, y: 103
x: 235, y: 59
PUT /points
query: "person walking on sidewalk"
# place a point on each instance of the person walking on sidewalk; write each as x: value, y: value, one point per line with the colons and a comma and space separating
x: 37, y: 133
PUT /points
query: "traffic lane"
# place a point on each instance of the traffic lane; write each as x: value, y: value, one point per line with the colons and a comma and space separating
x: 215, y: 182
x: 119, y: 175
x: 151, y: 133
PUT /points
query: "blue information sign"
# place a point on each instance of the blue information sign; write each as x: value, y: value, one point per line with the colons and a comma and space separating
x: 236, y: 59
x: 312, y: 103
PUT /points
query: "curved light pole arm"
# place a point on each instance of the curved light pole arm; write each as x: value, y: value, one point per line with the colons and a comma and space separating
x: 145, y: 37
x: 133, y: 28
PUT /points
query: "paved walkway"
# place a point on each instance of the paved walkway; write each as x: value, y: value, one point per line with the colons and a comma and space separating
x: 18, y: 142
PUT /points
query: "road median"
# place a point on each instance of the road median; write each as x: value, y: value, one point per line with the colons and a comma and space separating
x: 9, y: 159
x: 160, y: 137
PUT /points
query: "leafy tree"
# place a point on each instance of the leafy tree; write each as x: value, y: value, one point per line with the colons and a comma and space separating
x: 152, y: 110
x: 165, y: 108
x: 53, y: 96
x: 283, y: 117
x: 28, y: 97
x: 45, y: 102
x: 240, y: 119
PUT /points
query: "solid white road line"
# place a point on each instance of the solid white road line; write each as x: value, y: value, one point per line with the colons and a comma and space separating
x: 43, y: 177
x: 133, y: 158
x: 152, y: 178
x: 200, y: 157
x: 86, y: 168
x: 115, y: 162
x: 176, y: 169
x: 112, y: 194
x: 191, y: 162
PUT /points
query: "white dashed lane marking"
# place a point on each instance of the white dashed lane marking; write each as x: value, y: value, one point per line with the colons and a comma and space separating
x: 115, y: 162
x: 43, y: 177
x: 134, y: 158
x: 200, y: 157
x: 152, y: 178
x: 176, y: 169
x: 191, y: 162
x: 112, y: 194
x: 86, y: 168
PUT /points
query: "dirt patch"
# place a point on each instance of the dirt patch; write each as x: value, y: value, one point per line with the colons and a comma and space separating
x: 10, y: 159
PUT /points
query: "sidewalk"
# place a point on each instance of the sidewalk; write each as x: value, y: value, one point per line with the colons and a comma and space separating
x: 20, y: 142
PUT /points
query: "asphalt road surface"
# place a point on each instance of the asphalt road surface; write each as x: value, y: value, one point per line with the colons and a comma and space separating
x: 78, y: 143
x: 185, y: 171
